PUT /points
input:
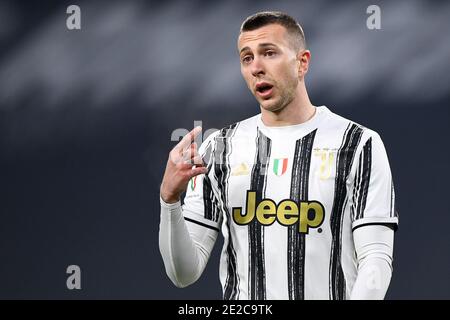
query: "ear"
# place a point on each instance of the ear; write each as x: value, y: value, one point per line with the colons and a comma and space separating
x: 303, y: 57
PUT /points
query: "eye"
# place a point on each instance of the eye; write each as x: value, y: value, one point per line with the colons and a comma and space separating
x: 269, y: 53
x: 247, y: 59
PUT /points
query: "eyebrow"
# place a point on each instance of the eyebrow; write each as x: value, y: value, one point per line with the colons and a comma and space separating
x: 265, y: 44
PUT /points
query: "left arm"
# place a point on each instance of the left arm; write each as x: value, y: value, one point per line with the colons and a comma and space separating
x: 374, y: 247
x: 374, y: 219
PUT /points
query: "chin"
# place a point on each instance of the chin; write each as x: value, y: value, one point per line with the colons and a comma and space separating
x: 272, y: 106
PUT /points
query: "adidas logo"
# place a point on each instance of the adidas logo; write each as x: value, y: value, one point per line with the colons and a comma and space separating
x: 240, y: 170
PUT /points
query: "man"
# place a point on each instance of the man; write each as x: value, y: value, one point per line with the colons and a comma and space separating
x: 304, y: 198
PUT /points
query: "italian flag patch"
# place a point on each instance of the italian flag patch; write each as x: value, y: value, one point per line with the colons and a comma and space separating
x: 280, y: 166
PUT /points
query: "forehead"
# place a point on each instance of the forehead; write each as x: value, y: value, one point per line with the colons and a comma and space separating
x: 273, y: 33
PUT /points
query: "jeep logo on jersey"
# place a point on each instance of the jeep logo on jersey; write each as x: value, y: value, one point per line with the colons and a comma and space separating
x: 308, y: 214
x: 280, y: 166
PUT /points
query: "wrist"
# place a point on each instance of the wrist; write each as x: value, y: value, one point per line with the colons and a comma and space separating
x: 168, y: 197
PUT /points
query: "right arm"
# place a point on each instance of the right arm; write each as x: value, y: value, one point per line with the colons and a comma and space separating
x: 185, y: 246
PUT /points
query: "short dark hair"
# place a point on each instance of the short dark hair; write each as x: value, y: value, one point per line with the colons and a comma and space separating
x: 264, y: 18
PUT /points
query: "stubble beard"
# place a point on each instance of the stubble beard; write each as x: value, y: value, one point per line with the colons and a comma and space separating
x: 285, y: 98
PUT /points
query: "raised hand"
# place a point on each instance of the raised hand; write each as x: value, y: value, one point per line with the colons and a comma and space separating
x: 184, y: 163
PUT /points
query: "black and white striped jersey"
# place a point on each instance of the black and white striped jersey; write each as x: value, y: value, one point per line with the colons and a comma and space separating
x: 287, y: 200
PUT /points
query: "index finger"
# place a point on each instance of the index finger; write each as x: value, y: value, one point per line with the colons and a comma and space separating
x: 189, y: 138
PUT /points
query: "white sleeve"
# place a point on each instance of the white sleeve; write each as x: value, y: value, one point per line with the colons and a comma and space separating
x: 188, y: 232
x: 185, y: 247
x: 374, y: 247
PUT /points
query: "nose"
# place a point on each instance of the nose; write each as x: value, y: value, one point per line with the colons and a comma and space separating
x: 257, y: 67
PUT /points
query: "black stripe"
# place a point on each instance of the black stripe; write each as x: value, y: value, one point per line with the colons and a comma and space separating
x: 209, y: 199
x: 210, y: 202
x: 360, y: 188
x: 201, y: 224
x: 356, y: 190
x: 344, y: 162
x: 222, y: 173
x: 257, y: 273
x: 296, y: 240
x: 366, y: 162
x: 394, y: 212
x: 391, y: 225
x: 216, y: 211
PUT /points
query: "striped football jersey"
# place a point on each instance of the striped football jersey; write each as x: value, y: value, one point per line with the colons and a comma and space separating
x: 287, y: 200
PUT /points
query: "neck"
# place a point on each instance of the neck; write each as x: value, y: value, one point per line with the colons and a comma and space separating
x: 298, y: 111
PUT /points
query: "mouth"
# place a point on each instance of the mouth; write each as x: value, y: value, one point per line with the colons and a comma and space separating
x: 264, y: 89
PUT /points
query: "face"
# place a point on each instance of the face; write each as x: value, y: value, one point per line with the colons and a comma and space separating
x: 269, y: 66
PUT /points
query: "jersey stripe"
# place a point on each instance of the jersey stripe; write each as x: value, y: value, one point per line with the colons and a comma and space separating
x: 393, y: 212
x: 201, y: 224
x: 356, y: 190
x: 257, y: 274
x: 222, y: 173
x: 210, y: 203
x: 296, y: 240
x: 366, y: 167
x: 344, y: 162
x: 362, y: 182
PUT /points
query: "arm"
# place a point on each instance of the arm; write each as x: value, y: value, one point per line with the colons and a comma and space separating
x: 374, y: 219
x: 185, y: 247
x: 186, y: 238
x: 374, y: 247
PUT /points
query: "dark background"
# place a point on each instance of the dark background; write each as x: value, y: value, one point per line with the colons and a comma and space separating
x: 86, y: 118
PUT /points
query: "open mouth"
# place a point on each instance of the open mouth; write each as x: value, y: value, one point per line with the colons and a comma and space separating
x: 264, y: 89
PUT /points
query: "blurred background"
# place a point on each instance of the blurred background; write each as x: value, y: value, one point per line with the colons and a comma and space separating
x: 86, y: 118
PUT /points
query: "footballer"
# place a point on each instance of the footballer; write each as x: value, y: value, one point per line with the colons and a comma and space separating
x: 303, y: 197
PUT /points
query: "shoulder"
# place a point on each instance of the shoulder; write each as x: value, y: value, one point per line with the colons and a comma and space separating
x: 351, y: 128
